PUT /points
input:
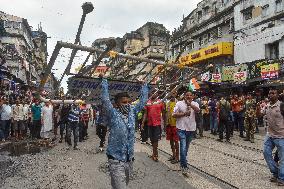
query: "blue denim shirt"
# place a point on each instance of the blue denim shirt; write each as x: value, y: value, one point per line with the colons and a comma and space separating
x: 122, y: 135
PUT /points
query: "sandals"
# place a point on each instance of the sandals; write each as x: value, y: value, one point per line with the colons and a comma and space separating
x: 171, y: 158
x: 154, y: 158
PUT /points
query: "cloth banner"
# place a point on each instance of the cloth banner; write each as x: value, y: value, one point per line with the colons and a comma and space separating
x: 93, y: 85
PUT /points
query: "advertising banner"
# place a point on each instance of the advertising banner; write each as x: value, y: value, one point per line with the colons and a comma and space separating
x: 270, y: 71
x: 240, y: 77
x: 229, y: 71
x: 216, y: 78
x: 93, y: 85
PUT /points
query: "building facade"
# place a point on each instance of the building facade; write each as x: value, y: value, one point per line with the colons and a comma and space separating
x: 259, y: 26
x: 23, y: 51
x: 206, y: 35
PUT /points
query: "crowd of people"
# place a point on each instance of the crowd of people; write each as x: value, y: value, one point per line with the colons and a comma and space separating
x: 23, y: 117
x: 183, y: 117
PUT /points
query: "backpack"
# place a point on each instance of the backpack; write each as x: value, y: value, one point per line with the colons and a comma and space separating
x: 224, y: 111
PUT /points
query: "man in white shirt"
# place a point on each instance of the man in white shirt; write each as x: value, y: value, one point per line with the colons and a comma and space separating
x: 18, y: 119
x: 5, y: 122
x: 184, y: 112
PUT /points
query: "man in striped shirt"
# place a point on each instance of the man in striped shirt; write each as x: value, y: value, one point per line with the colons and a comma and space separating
x: 73, y: 125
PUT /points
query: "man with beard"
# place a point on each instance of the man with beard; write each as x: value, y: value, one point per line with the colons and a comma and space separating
x: 120, y: 150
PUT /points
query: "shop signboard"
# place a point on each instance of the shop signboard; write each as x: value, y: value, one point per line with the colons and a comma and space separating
x: 220, y: 49
x: 240, y: 77
x: 205, y: 76
x: 270, y: 71
x: 229, y: 71
x: 216, y: 78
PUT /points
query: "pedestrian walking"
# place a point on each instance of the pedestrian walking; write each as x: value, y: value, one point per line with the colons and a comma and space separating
x: 5, y: 122
x: 154, y: 112
x: 47, y: 120
x: 18, y: 126
x: 237, y: 108
x: 250, y: 118
x: 224, y: 116
x: 171, y: 129
x: 101, y: 126
x: 274, y: 137
x: 213, y: 115
x: 184, y: 112
x: 36, y: 119
x: 120, y: 150
x: 73, y: 126
x: 63, y: 113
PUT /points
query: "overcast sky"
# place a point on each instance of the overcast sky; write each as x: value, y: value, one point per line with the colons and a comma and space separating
x: 110, y: 18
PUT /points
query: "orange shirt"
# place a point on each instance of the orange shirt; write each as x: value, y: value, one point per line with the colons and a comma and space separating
x: 237, y: 105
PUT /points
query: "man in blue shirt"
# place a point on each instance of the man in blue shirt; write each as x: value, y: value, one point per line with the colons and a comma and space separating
x: 73, y: 125
x: 120, y: 150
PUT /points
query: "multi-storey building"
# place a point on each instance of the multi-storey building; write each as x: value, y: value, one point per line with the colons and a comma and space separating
x: 24, y: 51
x: 259, y: 26
x: 206, y: 35
x: 149, y: 41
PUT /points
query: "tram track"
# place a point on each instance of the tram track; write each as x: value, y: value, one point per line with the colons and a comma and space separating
x: 239, y: 145
x: 229, y: 155
x: 212, y: 178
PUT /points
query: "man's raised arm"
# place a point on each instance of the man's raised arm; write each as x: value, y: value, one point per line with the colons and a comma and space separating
x: 142, y: 99
x: 106, y: 103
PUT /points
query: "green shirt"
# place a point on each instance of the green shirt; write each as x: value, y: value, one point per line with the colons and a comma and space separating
x: 36, y: 110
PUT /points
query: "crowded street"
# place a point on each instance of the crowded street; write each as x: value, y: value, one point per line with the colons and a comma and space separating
x: 138, y: 99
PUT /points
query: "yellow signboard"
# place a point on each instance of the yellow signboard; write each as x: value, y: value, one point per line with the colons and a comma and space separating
x: 220, y: 49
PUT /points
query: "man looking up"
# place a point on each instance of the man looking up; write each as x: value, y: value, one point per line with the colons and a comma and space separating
x: 120, y: 150
x: 184, y: 112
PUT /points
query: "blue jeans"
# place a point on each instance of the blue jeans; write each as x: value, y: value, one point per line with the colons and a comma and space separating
x: 5, y: 126
x: 185, y: 137
x: 2, y: 130
x: 72, y: 127
x: 239, y: 121
x: 269, y: 144
x: 213, y: 122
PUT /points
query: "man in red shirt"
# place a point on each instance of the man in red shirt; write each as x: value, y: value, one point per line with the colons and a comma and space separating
x: 154, y: 112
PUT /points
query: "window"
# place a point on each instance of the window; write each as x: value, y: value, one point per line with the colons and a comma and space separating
x: 219, y: 32
x: 209, y: 36
x: 265, y: 10
x: 199, y: 15
x: 206, y: 10
x: 272, y: 50
x: 214, y: 7
x: 17, y: 25
x: 200, y: 41
x: 247, y: 13
x: 8, y: 24
x: 279, y: 5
